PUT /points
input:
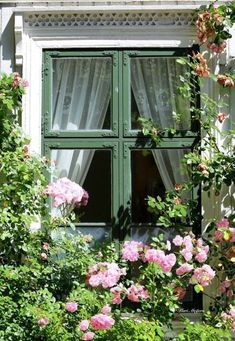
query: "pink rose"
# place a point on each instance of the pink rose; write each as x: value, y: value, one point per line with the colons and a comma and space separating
x: 43, y: 256
x: 178, y: 240
x: 218, y: 236
x: 131, y: 250
x: 84, y: 325
x: 45, y: 246
x: 201, y: 257
x: 106, y: 309
x: 105, y: 274
x: 186, y: 254
x: 232, y: 311
x: 71, y: 307
x: 25, y: 83
x: 88, y: 336
x: 232, y: 232
x: 203, y: 275
x: 154, y: 256
x: 43, y: 321
x: 136, y: 292
x: 184, y: 268
x: 188, y: 243
x: 223, y: 223
x: 102, y: 322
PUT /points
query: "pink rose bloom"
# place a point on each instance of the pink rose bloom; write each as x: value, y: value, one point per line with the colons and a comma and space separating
x: 105, y: 274
x: 232, y: 311
x: 184, y: 268
x: 223, y: 223
x: 65, y: 191
x: 71, y: 307
x: 203, y: 275
x: 16, y: 80
x: 154, y: 256
x: 43, y: 256
x: 45, y: 246
x: 136, y: 292
x: 116, y: 292
x: 117, y: 298
x: 168, y: 262
x: 102, y: 322
x: 232, y: 230
x: 106, y: 309
x: 131, y: 250
x: 25, y: 83
x: 43, y: 321
x: 201, y: 256
x: 218, y: 236
x: 178, y: 240
x: 84, y: 325
x: 88, y: 336
x: 186, y: 254
x: 187, y: 242
x: 199, y: 242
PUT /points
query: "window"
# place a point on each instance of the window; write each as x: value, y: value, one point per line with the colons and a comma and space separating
x: 91, y: 104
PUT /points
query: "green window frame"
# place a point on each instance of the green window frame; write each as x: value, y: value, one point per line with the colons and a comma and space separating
x: 120, y: 139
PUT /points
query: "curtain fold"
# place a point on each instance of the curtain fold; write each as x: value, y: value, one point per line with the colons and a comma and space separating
x: 81, y: 95
x: 154, y: 86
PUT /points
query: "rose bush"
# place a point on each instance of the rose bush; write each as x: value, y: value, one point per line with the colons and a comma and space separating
x: 54, y: 285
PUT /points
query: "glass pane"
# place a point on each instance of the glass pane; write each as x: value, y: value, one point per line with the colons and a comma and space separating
x: 81, y: 93
x: 154, y: 94
x: 153, y: 172
x: 91, y: 169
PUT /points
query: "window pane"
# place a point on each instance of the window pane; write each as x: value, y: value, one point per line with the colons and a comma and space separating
x: 82, y: 93
x: 153, y: 172
x: 91, y: 169
x: 154, y: 94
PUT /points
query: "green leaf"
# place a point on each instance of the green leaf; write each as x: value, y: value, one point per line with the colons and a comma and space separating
x: 198, y: 288
x: 181, y: 61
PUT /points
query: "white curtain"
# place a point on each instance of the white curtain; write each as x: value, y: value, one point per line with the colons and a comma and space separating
x: 154, y: 85
x: 81, y: 95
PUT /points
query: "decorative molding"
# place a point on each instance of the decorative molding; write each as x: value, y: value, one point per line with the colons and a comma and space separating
x: 18, y: 27
x: 109, y: 20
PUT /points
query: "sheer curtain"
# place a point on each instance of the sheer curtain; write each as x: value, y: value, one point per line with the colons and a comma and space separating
x: 154, y: 86
x: 81, y: 95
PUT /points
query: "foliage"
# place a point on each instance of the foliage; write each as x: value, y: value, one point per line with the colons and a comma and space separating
x: 202, y: 332
x: 133, y: 329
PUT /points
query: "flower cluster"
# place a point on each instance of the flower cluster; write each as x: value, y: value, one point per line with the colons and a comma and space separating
x: 192, y: 247
x: 222, y: 117
x: 229, y: 317
x: 202, y: 167
x: 137, y: 292
x: 224, y: 232
x: 17, y: 81
x: 226, y: 288
x: 71, y: 307
x: 132, y: 250
x: 201, y: 67
x: 208, y: 23
x: 225, y: 80
x: 194, y: 250
x: 134, y: 293
x: 166, y: 262
x: 99, y: 321
x: 105, y: 274
x: 65, y: 191
x: 203, y: 275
